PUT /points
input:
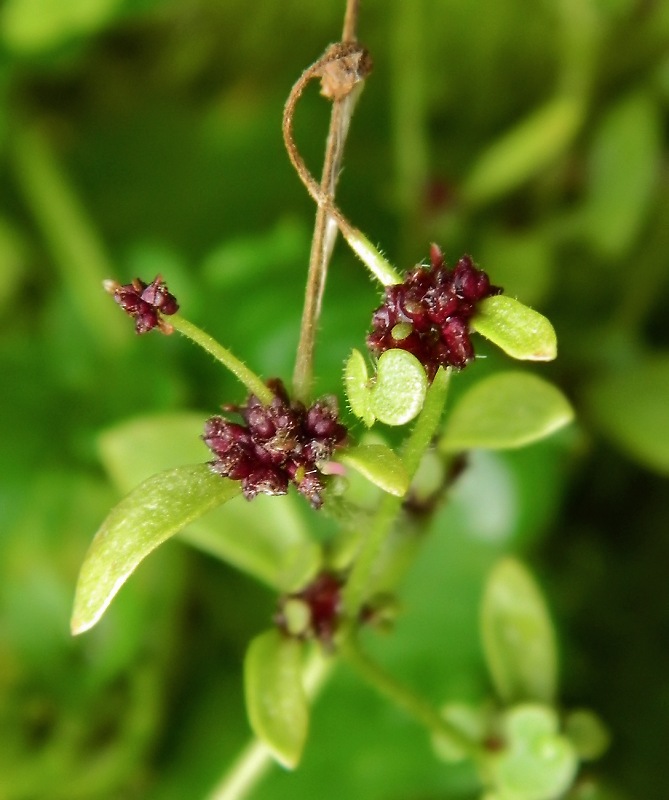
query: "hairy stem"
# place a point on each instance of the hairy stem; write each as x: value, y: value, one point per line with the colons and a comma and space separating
x: 252, y: 382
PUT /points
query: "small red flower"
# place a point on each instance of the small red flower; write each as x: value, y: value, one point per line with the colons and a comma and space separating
x: 428, y: 315
x: 147, y: 303
x: 279, y: 444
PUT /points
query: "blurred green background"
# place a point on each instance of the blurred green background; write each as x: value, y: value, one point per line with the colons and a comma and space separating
x: 143, y: 136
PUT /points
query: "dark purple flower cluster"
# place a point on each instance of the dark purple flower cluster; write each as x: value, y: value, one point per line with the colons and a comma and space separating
x: 429, y: 313
x: 279, y: 444
x: 146, y: 302
x: 324, y: 601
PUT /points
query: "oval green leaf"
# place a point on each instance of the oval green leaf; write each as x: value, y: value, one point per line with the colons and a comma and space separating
x: 398, y: 394
x: 154, y: 511
x: 518, y: 636
x: 631, y: 407
x: 378, y: 464
x: 356, y: 385
x: 518, y: 330
x: 503, y: 411
x: 275, y: 698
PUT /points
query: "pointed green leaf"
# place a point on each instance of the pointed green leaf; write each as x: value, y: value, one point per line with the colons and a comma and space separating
x: 154, y: 511
x: 518, y: 330
x: 275, y: 698
x: 510, y: 409
x: 525, y: 150
x: 518, y: 636
x: 631, y: 406
x: 356, y: 385
x: 281, y: 554
x: 378, y: 464
x: 398, y: 394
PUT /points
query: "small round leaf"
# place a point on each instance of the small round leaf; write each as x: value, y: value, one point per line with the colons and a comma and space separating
x: 275, y: 697
x: 518, y: 636
x: 398, y: 394
x: 518, y: 330
x: 503, y: 411
x: 356, y: 380
x: 538, y: 763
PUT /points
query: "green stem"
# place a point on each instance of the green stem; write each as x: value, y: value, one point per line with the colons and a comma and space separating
x: 390, y: 505
x: 404, y: 697
x: 252, y: 382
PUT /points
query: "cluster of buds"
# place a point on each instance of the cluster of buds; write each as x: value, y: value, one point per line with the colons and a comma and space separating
x: 279, y: 444
x: 146, y: 302
x: 428, y: 315
x: 315, y: 611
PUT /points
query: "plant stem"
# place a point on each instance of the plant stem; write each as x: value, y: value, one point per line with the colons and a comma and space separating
x: 405, y: 698
x: 390, y: 505
x: 354, y: 66
x: 322, y: 245
x: 255, y: 760
x: 325, y: 229
x: 252, y: 382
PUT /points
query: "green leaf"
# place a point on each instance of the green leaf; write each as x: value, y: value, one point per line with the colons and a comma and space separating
x: 154, y: 511
x: 282, y: 554
x: 538, y: 762
x: 518, y: 636
x: 631, y: 408
x: 379, y: 464
x: 503, y: 411
x: 398, y: 393
x: 275, y: 698
x: 525, y: 150
x: 519, y: 331
x: 624, y: 168
x: 356, y: 385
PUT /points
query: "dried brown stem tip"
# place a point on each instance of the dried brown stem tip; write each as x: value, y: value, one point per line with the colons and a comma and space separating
x: 343, y: 66
x: 145, y: 302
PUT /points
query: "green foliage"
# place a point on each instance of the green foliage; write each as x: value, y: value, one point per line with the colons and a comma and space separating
x: 518, y: 636
x: 275, y: 696
x: 144, y: 136
x: 150, y: 514
x: 519, y: 331
x: 379, y: 465
x: 395, y: 395
x: 539, y: 763
x: 506, y: 410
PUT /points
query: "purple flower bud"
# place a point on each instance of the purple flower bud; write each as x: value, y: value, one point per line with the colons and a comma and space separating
x: 145, y: 302
x: 279, y: 444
